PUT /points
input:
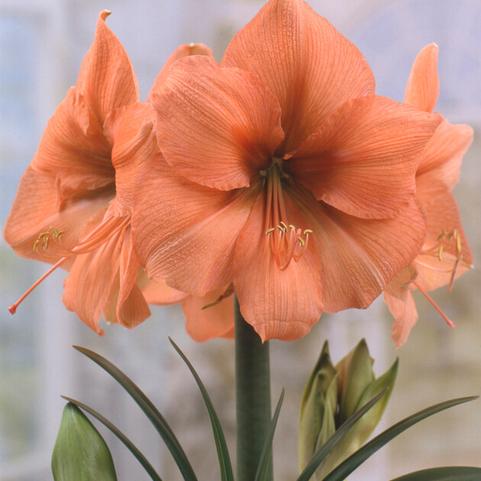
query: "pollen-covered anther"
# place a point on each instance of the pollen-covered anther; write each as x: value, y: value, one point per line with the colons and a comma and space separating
x: 448, y: 240
x: 43, y: 239
x: 287, y: 243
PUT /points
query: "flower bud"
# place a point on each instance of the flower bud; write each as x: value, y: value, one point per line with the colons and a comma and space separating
x: 318, y: 407
x: 80, y: 453
x: 332, y: 395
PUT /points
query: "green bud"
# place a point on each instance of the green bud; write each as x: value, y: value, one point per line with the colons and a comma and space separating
x: 330, y: 399
x: 318, y: 407
x: 80, y: 453
x: 355, y: 374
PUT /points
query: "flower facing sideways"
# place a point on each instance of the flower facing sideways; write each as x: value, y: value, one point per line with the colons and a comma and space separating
x: 445, y: 254
x: 282, y: 175
x: 73, y: 207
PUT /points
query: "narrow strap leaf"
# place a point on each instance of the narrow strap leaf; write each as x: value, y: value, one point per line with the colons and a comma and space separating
x: 332, y: 442
x: 266, y: 454
x: 120, y: 435
x: 452, y: 473
x: 219, y: 437
x: 149, y: 410
x: 350, y: 464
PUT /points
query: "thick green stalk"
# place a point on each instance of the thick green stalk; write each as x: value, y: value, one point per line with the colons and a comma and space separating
x: 253, y: 397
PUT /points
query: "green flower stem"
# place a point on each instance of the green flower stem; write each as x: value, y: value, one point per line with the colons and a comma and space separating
x: 253, y: 397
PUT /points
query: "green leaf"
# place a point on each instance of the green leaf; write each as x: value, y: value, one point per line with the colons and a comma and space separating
x: 220, y: 442
x: 123, y: 438
x: 322, y: 453
x: 149, y: 410
x: 356, y: 459
x: 266, y: 455
x: 80, y: 452
x: 454, y: 473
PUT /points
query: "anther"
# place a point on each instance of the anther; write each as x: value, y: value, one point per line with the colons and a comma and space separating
x: 44, y: 238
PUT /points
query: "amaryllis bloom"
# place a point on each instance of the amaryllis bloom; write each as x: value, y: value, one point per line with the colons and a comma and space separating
x: 73, y: 206
x: 282, y: 177
x: 445, y: 254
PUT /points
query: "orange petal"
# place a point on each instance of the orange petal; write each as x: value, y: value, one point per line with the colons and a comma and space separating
x: 305, y: 62
x: 131, y: 132
x: 211, y: 322
x: 442, y: 158
x: 106, y: 76
x: 278, y: 304
x: 184, y: 232
x: 360, y: 257
x: 92, y: 281
x: 74, y: 150
x: 131, y: 308
x: 363, y: 159
x: 422, y: 89
x: 37, y: 229
x: 442, y: 215
x: 434, y: 273
x: 184, y: 50
x: 216, y: 125
x: 405, y: 314
x: 435, y: 268
x: 158, y: 292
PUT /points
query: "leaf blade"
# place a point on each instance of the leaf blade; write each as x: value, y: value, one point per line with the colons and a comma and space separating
x: 225, y: 464
x: 149, y: 410
x: 265, y: 457
x: 350, y: 464
x: 448, y: 473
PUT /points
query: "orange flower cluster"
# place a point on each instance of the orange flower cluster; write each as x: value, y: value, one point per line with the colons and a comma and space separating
x: 277, y: 174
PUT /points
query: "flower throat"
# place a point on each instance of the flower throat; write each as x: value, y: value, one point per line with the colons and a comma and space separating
x: 287, y: 241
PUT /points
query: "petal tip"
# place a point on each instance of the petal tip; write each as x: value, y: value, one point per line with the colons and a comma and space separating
x: 104, y: 14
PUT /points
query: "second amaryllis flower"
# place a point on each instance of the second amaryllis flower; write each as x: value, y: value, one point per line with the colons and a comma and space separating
x: 282, y: 175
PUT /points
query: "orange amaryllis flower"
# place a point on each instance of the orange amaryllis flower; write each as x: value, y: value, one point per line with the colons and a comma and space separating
x: 281, y: 174
x: 445, y: 254
x: 74, y: 202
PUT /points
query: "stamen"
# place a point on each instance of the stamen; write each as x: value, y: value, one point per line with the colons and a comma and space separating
x: 292, y: 243
x: 443, y: 240
x: 93, y: 240
x: 286, y: 241
x: 436, y: 307
x: 44, y: 238
x: 13, y: 308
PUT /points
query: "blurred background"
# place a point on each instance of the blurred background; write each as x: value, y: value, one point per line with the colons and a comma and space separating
x: 41, y: 46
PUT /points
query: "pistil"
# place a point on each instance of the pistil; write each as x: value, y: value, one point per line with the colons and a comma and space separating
x: 436, y: 307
